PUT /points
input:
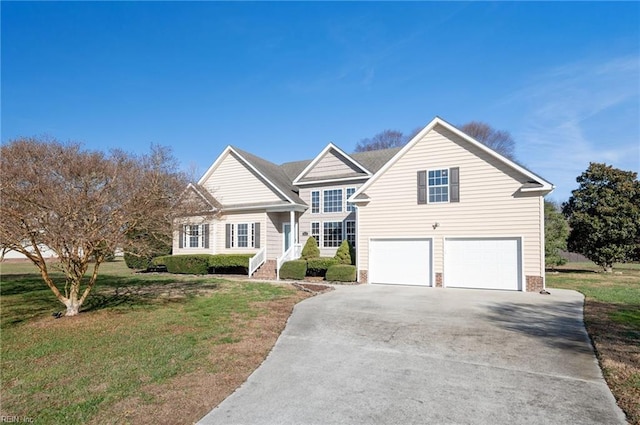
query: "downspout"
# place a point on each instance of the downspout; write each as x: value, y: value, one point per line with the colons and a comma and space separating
x: 542, y: 246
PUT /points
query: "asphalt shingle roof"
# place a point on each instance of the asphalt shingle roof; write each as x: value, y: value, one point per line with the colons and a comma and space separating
x: 282, y: 176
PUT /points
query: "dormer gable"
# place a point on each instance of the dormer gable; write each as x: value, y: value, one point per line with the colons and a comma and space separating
x: 332, y: 165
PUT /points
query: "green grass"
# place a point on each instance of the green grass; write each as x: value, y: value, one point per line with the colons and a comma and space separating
x: 130, y: 334
x: 612, y: 318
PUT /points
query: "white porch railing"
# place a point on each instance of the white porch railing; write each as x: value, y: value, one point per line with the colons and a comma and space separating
x: 257, y: 260
x: 293, y: 253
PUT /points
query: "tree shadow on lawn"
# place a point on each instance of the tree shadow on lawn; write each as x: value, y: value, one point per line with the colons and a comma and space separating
x: 558, y: 325
x: 26, y: 296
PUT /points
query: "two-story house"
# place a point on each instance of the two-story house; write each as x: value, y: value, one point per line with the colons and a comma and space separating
x: 444, y: 210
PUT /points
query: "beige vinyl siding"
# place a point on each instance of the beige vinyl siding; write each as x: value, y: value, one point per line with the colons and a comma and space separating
x: 255, y: 217
x: 233, y: 183
x: 307, y: 217
x: 274, y: 233
x: 490, y: 201
x: 332, y: 165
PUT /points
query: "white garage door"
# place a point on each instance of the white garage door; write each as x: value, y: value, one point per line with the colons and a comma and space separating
x: 484, y: 263
x: 400, y: 261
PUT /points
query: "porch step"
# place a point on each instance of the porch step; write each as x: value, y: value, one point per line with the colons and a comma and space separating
x: 266, y: 271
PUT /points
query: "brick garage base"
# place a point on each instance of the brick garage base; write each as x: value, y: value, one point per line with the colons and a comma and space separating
x: 364, y: 276
x: 535, y: 283
x: 438, y: 280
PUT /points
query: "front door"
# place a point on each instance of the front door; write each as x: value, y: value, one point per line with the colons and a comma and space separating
x: 286, y: 234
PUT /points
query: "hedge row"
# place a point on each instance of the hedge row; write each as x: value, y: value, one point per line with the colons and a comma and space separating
x: 204, y: 263
x: 318, y: 266
x: 341, y: 273
x: 296, y: 269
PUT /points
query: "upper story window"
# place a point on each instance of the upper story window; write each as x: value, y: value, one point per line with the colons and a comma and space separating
x: 350, y: 206
x: 332, y: 201
x: 438, y: 182
x: 315, y: 202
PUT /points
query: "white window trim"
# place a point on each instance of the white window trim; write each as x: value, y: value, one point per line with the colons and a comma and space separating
x: 251, y: 236
x: 319, y: 238
x: 342, y: 225
x: 342, y: 191
x: 355, y: 231
x: 319, y: 192
x: 186, y: 242
x: 346, y: 196
x: 448, y: 185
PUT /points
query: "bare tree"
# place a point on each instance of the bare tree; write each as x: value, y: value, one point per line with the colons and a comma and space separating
x: 498, y: 140
x: 82, y: 205
x: 383, y: 140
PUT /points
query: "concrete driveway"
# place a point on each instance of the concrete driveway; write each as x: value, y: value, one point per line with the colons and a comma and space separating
x: 375, y: 354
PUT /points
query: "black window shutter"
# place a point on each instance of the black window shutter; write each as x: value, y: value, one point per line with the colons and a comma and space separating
x: 205, y: 232
x: 257, y: 234
x: 454, y: 184
x: 227, y: 236
x: 422, y: 187
x: 181, y: 237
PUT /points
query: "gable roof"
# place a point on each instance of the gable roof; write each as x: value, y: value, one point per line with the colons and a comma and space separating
x: 199, y: 193
x: 270, y: 173
x: 359, y: 169
x: 536, y: 183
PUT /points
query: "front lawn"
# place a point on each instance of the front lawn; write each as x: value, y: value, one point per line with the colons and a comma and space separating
x: 612, y: 318
x: 147, y: 348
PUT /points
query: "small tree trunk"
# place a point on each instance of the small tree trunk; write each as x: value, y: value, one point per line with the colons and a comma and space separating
x: 72, y: 303
x: 73, y: 307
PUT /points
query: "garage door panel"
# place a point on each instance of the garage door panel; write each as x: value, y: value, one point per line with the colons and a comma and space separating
x: 485, y: 263
x: 400, y: 261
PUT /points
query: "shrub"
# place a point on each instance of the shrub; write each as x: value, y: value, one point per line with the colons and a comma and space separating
x: 230, y: 263
x: 343, y: 254
x: 341, y: 273
x: 295, y: 269
x: 139, y: 260
x: 185, y: 264
x: 310, y: 249
x: 319, y: 266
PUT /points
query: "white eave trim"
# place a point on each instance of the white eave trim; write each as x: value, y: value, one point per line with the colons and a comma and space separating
x: 339, y: 180
x: 546, y: 186
x: 272, y: 208
x: 537, y: 189
x: 318, y: 157
x: 229, y: 149
x: 199, y: 193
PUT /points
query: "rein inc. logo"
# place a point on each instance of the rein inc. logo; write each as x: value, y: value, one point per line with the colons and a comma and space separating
x: 16, y: 419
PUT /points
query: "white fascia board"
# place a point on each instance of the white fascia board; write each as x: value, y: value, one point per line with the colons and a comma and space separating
x: 204, y: 198
x: 546, y: 186
x: 215, y: 165
x: 539, y: 189
x: 229, y: 149
x: 341, y: 179
x: 318, y: 157
x: 270, y: 208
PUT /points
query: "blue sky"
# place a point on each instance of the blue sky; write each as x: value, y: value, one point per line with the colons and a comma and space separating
x: 281, y: 80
